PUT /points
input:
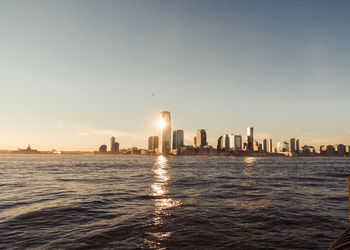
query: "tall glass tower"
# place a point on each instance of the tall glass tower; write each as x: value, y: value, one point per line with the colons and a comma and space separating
x: 165, y: 133
x: 250, y: 139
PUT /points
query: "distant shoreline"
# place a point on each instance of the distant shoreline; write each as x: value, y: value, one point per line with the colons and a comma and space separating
x: 77, y: 153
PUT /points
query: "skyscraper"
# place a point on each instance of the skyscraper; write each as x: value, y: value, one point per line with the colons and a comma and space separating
x: 264, y: 145
x: 178, y: 139
x: 152, y: 143
x: 231, y: 141
x: 112, y: 142
x: 269, y: 145
x: 297, y: 146
x: 220, y: 143
x: 201, y: 138
x: 292, y: 145
x: 238, y: 142
x: 115, y: 148
x: 165, y: 133
x: 250, y: 139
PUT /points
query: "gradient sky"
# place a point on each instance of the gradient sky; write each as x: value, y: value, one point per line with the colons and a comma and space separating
x: 74, y: 73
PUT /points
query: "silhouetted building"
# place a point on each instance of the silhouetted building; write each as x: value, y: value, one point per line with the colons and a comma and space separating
x: 264, y: 145
x: 256, y: 146
x: 134, y: 151
x: 292, y: 145
x: 178, y: 139
x: 282, y: 147
x: 152, y: 143
x: 112, y: 142
x: 188, y: 150
x: 201, y: 138
x: 144, y: 152
x: 115, y: 148
x: 297, y: 145
x: 219, y: 146
x: 28, y: 150
x: 327, y: 150
x: 308, y: 150
x: 102, y: 149
x: 238, y: 142
x: 269, y: 146
x: 195, y: 141
x: 250, y: 139
x: 339, y: 149
x: 165, y: 133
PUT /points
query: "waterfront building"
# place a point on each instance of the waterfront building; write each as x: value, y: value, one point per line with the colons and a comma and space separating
x: 219, y: 146
x: 250, y: 139
x: 264, y: 145
x: 201, y: 140
x: 152, y: 143
x: 178, y: 139
x: 102, y: 149
x: 134, y: 151
x: 187, y: 150
x: 112, y: 143
x: 144, y: 152
x: 297, y: 145
x: 256, y: 146
x: 327, y: 150
x: 195, y: 141
x: 165, y: 133
x: 230, y: 141
x: 292, y: 145
x: 238, y: 142
x: 282, y: 147
x: 307, y: 150
x: 339, y: 149
x: 115, y: 148
x: 28, y: 150
x: 269, y: 146
x: 225, y: 142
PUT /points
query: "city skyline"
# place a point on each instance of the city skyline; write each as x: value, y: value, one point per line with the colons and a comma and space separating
x: 108, y: 69
x: 164, y: 122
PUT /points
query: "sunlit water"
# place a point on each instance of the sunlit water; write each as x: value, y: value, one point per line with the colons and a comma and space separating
x: 111, y: 202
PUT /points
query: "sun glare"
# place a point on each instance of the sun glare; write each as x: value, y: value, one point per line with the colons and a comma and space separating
x: 162, y: 124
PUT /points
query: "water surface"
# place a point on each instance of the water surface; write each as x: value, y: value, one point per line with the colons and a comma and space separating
x: 171, y: 203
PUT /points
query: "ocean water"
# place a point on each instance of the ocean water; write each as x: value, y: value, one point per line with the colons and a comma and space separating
x: 121, y: 202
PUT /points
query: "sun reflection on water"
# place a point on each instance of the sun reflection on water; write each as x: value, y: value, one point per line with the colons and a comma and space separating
x: 162, y: 202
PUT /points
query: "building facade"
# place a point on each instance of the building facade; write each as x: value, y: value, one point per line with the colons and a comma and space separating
x: 238, y: 142
x: 269, y: 146
x: 201, y: 138
x: 292, y: 145
x: 115, y: 148
x: 165, y: 133
x: 178, y: 139
x: 152, y: 143
x: 250, y: 139
x: 112, y: 142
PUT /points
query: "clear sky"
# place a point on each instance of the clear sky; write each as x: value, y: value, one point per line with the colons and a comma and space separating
x: 74, y: 73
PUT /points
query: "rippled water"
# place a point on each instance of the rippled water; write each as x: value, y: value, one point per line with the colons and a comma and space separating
x: 171, y: 203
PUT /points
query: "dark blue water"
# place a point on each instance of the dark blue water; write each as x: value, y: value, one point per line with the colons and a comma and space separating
x: 111, y: 202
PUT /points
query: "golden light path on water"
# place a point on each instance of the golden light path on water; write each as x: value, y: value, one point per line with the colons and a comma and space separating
x: 249, y: 172
x: 163, y: 201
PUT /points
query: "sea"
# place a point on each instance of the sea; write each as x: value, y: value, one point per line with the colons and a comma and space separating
x: 157, y: 202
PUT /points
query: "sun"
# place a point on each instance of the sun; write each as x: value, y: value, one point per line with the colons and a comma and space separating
x: 162, y: 124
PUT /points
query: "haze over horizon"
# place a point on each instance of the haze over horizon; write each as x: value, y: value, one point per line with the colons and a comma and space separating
x: 75, y: 73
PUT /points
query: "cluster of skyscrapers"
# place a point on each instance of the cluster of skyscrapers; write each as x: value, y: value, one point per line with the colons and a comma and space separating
x: 172, y: 142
